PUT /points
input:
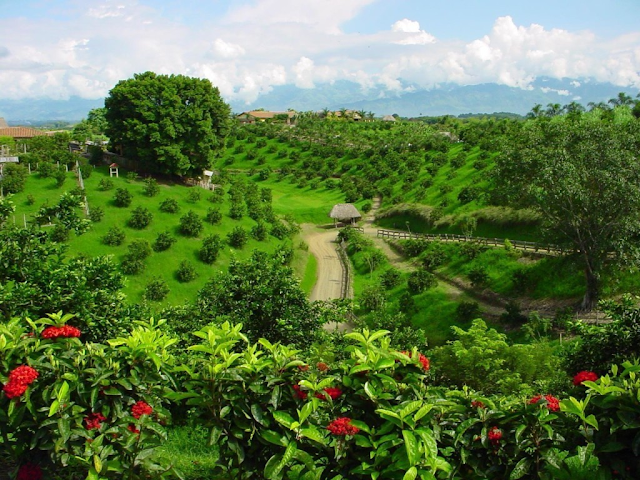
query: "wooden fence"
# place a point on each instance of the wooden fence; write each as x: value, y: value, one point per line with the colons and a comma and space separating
x: 490, y: 242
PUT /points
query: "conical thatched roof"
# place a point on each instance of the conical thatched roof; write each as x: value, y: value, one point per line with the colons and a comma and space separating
x: 344, y: 211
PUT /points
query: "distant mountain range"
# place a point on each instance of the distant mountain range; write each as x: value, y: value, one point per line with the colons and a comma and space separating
x: 447, y: 99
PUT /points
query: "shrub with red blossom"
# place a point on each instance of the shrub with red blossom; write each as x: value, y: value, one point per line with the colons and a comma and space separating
x: 132, y: 428
x: 19, y: 379
x: 94, y: 420
x: 585, y: 376
x: 553, y: 403
x: 303, y: 368
x: 342, y: 426
x: 424, y: 361
x: 494, y: 435
x: 477, y: 404
x: 66, y: 331
x: 141, y: 408
x: 301, y: 394
x: 29, y: 471
x: 323, y: 367
x: 333, y: 392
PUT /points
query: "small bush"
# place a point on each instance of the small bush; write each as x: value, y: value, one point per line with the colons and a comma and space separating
x: 373, y: 299
x: 260, y: 231
x: 131, y: 176
x: 190, y: 224
x: 31, y: 199
x: 237, y: 210
x: 114, y: 237
x: 163, y: 242
x: 96, y: 214
x: 478, y: 277
x: 105, y: 184
x: 132, y: 266
x: 213, y: 216
x: 421, y: 281
x: 467, y: 311
x: 217, y: 196
x: 139, y: 249
x: 59, y: 233
x: 169, y: 205
x: 366, y: 207
x: 86, y: 171
x: 210, y: 249
x: 122, y: 198
x: 60, y: 176
x: 156, y: 290
x: 186, y: 272
x: 513, y: 313
x: 140, y: 218
x: 237, y: 237
x: 390, y: 278
x: 151, y: 187
x: 194, y: 195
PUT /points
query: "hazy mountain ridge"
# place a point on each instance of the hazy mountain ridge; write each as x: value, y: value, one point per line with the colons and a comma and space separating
x: 446, y: 99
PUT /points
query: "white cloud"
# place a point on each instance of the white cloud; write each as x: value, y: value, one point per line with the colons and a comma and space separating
x: 106, y: 11
x: 227, y: 50
x: 416, y: 37
x: 406, y: 25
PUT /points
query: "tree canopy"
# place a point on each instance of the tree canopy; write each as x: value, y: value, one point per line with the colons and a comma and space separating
x: 582, y: 172
x: 169, y: 124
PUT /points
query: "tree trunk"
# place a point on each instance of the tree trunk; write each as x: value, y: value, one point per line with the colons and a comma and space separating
x: 590, y: 299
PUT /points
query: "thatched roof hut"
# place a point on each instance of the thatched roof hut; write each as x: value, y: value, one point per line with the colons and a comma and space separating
x: 344, y: 212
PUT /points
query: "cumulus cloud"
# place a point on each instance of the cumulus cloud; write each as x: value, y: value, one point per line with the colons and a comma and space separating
x: 227, y: 50
x: 416, y: 37
x: 266, y: 43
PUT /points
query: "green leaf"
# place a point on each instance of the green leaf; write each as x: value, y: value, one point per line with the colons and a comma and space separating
x: 385, y: 363
x: 361, y: 425
x: 370, y: 391
x: 410, y: 474
x: 64, y: 428
x: 591, y: 420
x: 97, y: 463
x: 273, y: 437
x: 410, y: 408
x: 314, y: 434
x: 55, y: 406
x: 521, y: 469
x: 271, y: 468
x: 63, y: 392
x: 411, y: 445
x: 306, y: 410
x: 283, y: 418
x: 258, y: 414
x: 422, y: 412
x: 216, y: 432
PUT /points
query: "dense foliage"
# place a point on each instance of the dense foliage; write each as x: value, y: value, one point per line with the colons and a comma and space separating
x: 170, y: 124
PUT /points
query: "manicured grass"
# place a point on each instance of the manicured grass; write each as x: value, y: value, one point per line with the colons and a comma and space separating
x: 310, y: 274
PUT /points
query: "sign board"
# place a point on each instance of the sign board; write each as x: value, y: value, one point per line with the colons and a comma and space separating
x: 9, y: 160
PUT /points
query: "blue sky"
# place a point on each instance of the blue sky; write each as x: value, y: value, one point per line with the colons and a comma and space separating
x: 59, y: 48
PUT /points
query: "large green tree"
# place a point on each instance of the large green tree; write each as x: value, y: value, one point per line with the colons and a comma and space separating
x: 582, y: 172
x: 169, y: 124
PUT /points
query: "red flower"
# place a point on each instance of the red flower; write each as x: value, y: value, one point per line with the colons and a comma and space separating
x: 323, y: 367
x: 342, y: 426
x: 333, y: 392
x: 303, y: 368
x: 94, y: 420
x: 424, y: 361
x: 141, y: 408
x: 66, y: 331
x: 477, y: 404
x: 301, y: 394
x: 585, y: 376
x: 132, y: 428
x: 14, y: 389
x: 495, y: 434
x: 553, y: 403
x: 23, y: 374
x: 29, y: 471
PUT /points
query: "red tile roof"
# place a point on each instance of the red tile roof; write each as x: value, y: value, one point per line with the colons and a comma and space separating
x: 20, y: 132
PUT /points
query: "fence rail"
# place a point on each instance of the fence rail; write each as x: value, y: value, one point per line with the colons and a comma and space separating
x: 543, y: 249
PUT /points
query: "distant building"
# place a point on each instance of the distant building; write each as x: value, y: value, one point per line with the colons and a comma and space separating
x: 388, y: 118
x: 255, y: 116
x: 3, y: 123
x: 350, y: 114
x: 20, y: 133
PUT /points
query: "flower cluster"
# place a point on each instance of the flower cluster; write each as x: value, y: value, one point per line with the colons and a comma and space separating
x: 553, y: 403
x: 141, y: 408
x: 494, y: 435
x: 19, y: 380
x: 585, y: 376
x: 94, y: 421
x: 333, y: 392
x: 301, y: 394
x: 477, y: 404
x: 132, y: 428
x: 65, y: 331
x: 424, y: 361
x: 323, y: 367
x: 29, y: 471
x: 342, y: 426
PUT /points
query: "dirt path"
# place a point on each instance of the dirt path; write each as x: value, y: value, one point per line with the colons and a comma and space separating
x: 329, y: 280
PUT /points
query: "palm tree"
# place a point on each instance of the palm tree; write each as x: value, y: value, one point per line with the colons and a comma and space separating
x: 324, y: 113
x: 553, y: 109
x: 536, y: 111
x: 621, y: 99
x: 600, y: 105
x: 573, y: 107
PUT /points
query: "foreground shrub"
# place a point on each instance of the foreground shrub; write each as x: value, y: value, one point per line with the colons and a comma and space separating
x: 186, y: 272
x: 151, y: 187
x: 163, y: 241
x: 140, y: 218
x: 210, y: 249
x: 114, y: 236
x: 122, y: 198
x: 190, y: 224
x: 169, y: 205
x: 238, y: 237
